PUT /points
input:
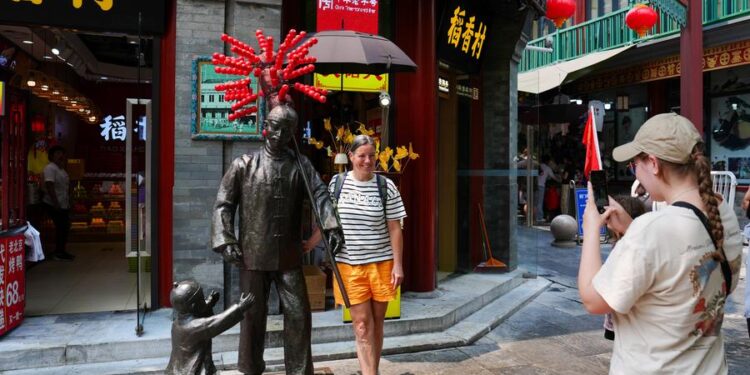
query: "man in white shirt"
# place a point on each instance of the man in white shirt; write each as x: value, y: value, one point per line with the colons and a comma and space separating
x: 56, y: 200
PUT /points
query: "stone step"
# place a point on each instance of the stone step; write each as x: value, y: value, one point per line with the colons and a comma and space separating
x: 465, y: 332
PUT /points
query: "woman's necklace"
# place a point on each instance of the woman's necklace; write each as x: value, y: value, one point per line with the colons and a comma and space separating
x: 674, y: 199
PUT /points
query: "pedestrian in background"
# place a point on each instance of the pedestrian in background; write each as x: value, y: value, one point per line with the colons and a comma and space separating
x: 545, y: 173
x: 665, y: 281
x: 57, y: 200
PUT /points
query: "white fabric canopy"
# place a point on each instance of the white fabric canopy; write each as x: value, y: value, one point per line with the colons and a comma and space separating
x: 548, y: 77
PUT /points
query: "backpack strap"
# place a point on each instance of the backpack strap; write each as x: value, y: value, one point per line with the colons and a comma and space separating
x: 383, y: 191
x: 725, y: 269
x: 338, y: 185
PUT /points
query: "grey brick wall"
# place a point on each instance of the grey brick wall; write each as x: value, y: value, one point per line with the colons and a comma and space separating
x: 199, y: 164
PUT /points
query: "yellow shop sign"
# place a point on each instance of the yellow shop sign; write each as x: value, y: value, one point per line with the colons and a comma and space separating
x: 353, y: 82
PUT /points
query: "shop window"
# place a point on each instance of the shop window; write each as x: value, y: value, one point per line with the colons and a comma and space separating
x: 211, y: 98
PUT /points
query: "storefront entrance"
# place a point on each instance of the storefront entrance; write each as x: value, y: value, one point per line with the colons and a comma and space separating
x: 88, y: 93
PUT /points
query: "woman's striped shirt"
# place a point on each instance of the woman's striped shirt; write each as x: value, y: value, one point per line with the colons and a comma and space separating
x: 360, y: 210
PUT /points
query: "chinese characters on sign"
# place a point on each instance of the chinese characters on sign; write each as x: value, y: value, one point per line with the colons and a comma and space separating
x: 463, y: 35
x: 357, y: 15
x: 113, y: 128
x: 468, y: 91
x: 714, y: 58
x: 353, y: 82
x: 105, y: 5
x: 12, y: 282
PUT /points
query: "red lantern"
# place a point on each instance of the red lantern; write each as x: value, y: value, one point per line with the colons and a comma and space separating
x: 560, y: 10
x: 641, y: 19
x: 38, y: 125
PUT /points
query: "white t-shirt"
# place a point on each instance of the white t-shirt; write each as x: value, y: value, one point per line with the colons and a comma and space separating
x: 58, y: 176
x: 667, y: 293
x: 360, y: 210
x: 545, y: 173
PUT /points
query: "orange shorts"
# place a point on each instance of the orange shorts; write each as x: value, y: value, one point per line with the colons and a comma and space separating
x: 365, y: 282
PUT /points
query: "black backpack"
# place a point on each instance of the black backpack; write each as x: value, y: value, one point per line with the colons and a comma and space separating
x: 382, y: 188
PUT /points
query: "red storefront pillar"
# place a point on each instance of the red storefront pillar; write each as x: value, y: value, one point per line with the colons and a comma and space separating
x: 166, y: 152
x: 691, y: 73
x: 415, y: 108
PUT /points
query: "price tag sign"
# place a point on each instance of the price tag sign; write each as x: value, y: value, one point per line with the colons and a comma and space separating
x: 12, y: 282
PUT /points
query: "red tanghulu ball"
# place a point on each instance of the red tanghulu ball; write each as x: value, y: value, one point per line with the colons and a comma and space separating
x: 560, y: 10
x: 641, y: 19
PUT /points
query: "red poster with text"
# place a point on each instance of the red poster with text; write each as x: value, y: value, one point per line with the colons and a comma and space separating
x: 356, y: 15
x: 12, y: 282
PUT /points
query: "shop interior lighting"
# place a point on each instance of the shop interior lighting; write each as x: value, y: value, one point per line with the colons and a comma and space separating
x: 58, y: 48
x: 607, y: 106
x: 31, y: 80
x: 28, y: 42
x: 734, y: 107
x: 385, y: 99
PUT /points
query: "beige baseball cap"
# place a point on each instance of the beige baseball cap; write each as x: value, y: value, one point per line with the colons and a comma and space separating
x: 668, y: 136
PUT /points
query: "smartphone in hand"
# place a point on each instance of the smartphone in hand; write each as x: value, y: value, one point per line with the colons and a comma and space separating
x: 599, y: 183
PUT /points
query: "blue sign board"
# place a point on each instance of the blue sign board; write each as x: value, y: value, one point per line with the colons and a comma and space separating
x: 582, y: 195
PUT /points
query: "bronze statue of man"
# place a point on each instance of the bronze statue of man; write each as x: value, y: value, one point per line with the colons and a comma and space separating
x: 267, y: 189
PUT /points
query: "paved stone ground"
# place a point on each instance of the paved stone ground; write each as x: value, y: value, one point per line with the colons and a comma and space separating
x: 551, y: 335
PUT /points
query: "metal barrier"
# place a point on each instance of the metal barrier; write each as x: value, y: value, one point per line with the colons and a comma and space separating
x: 725, y: 183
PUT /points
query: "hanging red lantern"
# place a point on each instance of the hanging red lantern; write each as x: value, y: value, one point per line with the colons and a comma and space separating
x: 641, y: 19
x: 38, y: 124
x: 560, y: 10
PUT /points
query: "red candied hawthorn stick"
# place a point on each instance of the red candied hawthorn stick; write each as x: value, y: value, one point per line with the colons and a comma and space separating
x: 247, y: 100
x: 282, y: 92
x: 246, y: 61
x: 239, y: 84
x: 242, y: 113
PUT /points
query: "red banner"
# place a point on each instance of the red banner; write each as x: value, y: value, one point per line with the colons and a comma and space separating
x: 12, y: 282
x: 356, y: 15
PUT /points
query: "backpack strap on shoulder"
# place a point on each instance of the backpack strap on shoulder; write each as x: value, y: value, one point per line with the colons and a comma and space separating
x: 340, y: 178
x: 726, y: 270
x: 383, y: 191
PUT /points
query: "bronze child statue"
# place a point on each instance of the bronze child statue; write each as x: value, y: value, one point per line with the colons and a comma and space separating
x: 195, y: 326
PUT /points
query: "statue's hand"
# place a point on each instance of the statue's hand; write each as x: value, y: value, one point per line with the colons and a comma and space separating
x: 232, y: 254
x: 335, y: 239
x: 246, y: 300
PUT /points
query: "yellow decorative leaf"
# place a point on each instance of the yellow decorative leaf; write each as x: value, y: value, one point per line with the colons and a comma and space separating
x: 319, y: 145
x: 329, y: 152
x: 340, y: 133
x: 327, y: 124
x: 401, y: 152
x: 377, y: 146
x: 396, y: 165
x: 412, y: 155
x: 362, y: 129
x: 384, y: 165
